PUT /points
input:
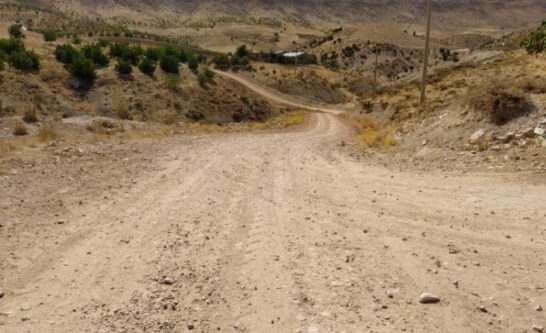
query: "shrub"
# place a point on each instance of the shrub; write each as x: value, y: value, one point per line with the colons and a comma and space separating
x: 153, y: 53
x: 222, y: 61
x: 2, y: 60
x: 242, y: 51
x: 193, y: 63
x: 94, y: 53
x: 83, y: 68
x: 66, y: 53
x: 30, y: 116
x: 20, y: 129
x: 169, y: 64
x: 124, y: 67
x: 50, y: 36
x: 208, y: 73
x: 16, y: 31
x: 536, y: 41
x: 172, y: 81
x: 10, y: 46
x: 47, y: 134
x: 76, y: 40
x: 27, y: 61
x: 103, y: 42
x: 500, y: 100
x: 147, y: 66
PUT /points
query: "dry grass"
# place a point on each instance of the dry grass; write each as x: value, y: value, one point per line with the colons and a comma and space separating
x: 30, y: 116
x: 501, y: 100
x: 20, y: 129
x: 120, y: 108
x: 47, y: 134
x: 371, y: 135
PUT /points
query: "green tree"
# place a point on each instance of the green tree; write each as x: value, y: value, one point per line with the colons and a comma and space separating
x: 83, y: 68
x: 222, y: 61
x: 16, y: 31
x: 169, y: 64
x: 193, y: 63
x: 27, y: 61
x: 536, y: 41
x: 147, y: 66
x: 94, y: 52
x: 66, y: 53
x: 124, y: 67
x: 242, y: 51
x: 50, y: 36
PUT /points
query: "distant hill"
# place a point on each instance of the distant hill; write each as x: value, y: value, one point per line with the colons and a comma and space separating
x: 508, y: 14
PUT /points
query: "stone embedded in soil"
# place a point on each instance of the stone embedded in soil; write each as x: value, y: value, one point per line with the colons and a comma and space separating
x: 428, y: 298
x: 1, y: 293
x: 539, y: 131
x: 538, y: 308
x: 538, y: 328
x: 167, y: 281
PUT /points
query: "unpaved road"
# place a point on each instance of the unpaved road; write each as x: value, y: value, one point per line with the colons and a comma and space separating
x: 274, y: 232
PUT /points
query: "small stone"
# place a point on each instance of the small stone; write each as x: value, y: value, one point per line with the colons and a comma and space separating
x: 456, y: 283
x: 428, y: 298
x: 477, y: 135
x: 539, y: 131
x: 190, y: 326
x: 312, y: 329
x: 482, y: 308
x: 300, y: 317
x: 2, y: 293
x: 538, y: 308
x: 538, y: 328
x: 392, y: 292
x: 25, y: 307
x: 167, y: 281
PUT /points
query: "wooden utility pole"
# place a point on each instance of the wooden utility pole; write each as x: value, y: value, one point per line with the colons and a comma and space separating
x: 427, y: 54
x: 376, y: 51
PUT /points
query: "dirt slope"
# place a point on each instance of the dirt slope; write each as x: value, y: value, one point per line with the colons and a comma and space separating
x: 280, y: 232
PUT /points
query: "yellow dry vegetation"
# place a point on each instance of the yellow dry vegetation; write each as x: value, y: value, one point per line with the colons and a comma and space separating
x: 371, y: 135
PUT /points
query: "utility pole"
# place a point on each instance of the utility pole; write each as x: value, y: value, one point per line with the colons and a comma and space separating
x: 376, y: 51
x: 427, y: 54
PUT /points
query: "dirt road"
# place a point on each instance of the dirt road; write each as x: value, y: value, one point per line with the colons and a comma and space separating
x: 277, y: 232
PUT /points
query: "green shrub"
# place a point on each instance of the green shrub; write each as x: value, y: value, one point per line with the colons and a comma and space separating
x: 536, y: 41
x: 16, y: 31
x: 66, y: 53
x: 103, y: 42
x: 193, y: 63
x: 242, y: 51
x: 27, y: 61
x: 83, y: 68
x: 76, y: 39
x: 94, y: 52
x: 147, y: 66
x: 50, y: 36
x: 153, y: 54
x: 124, y: 67
x: 169, y: 64
x: 208, y: 73
x: 222, y: 61
x: 2, y: 60
x: 172, y: 81
x: 10, y: 46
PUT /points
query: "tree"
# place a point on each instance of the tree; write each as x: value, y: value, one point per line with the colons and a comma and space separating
x: 536, y: 41
x: 83, y: 68
x: 124, y: 67
x: 169, y: 64
x: 66, y: 53
x: 193, y: 63
x: 27, y: 61
x: 222, y: 61
x: 10, y: 46
x: 242, y: 51
x: 50, y: 36
x: 153, y: 53
x: 147, y: 66
x: 16, y: 31
x: 94, y: 52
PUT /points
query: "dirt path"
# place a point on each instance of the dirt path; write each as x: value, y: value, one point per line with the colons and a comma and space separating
x: 275, y: 95
x: 264, y: 233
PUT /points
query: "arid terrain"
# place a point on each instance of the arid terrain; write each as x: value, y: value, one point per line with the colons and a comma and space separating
x: 163, y: 168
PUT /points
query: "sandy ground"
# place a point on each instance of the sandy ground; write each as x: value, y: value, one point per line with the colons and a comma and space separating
x: 274, y: 232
